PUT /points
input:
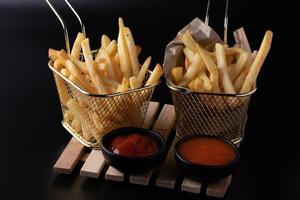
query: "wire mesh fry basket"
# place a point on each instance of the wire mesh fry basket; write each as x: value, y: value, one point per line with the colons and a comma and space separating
x: 99, y: 114
x: 89, y: 116
x: 218, y: 114
x: 210, y: 114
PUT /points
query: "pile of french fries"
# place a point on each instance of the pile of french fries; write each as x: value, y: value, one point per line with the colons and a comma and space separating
x: 230, y: 70
x: 114, y: 69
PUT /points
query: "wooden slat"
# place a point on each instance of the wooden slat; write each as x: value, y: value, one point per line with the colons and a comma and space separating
x: 93, y: 165
x: 69, y: 157
x: 165, y: 120
x: 151, y: 112
x: 169, y: 172
x: 218, y: 189
x: 141, y: 179
x: 163, y: 125
x: 114, y: 174
x: 189, y: 185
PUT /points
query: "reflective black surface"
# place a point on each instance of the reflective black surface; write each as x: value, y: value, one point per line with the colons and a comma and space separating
x: 32, y: 137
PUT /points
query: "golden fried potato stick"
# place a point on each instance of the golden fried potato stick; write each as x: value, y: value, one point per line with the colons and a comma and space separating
x: 76, y: 49
x: 124, y: 86
x: 192, y: 71
x: 65, y: 72
x: 189, y: 42
x: 155, y: 75
x: 177, y: 74
x: 134, y: 82
x: 95, y: 77
x: 81, y: 65
x: 110, y: 69
x: 69, y: 115
x: 90, y: 88
x: 143, y: 71
x: 83, y: 118
x: 191, y: 85
x: 123, y: 51
x: 112, y: 48
x: 206, y: 82
x: 135, y: 65
x: 53, y: 54
x: 238, y: 83
x: 239, y: 65
x: 75, y: 72
x: 212, y: 68
x: 198, y: 85
x: 222, y: 65
x: 76, y: 125
x: 59, y: 64
x: 258, y: 62
x: 105, y: 41
x: 189, y: 54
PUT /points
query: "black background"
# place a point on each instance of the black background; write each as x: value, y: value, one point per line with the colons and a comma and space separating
x: 32, y: 137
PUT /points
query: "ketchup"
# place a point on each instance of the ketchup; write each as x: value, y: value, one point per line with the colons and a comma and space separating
x: 134, y: 145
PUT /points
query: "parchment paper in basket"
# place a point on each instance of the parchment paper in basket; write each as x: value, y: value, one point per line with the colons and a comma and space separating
x: 204, y: 35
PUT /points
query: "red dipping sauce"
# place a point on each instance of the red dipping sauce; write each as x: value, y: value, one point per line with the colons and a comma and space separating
x: 207, y: 151
x: 134, y: 145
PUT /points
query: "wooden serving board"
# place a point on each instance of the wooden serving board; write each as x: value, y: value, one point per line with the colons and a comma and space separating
x: 168, y: 175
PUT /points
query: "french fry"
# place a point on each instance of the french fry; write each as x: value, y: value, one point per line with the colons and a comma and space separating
x: 155, y: 75
x: 76, y: 125
x: 81, y: 81
x: 143, y: 71
x: 123, y: 51
x: 192, y: 71
x: 189, y: 42
x: 258, y: 62
x: 76, y: 49
x: 212, y: 68
x: 177, y: 74
x: 110, y: 69
x: 53, y: 54
x: 191, y: 85
x: 96, y: 79
x: 112, y: 48
x: 206, y: 82
x: 239, y: 65
x: 69, y: 115
x: 81, y: 65
x: 189, y: 55
x: 198, y: 85
x: 134, y: 82
x: 222, y: 65
x: 105, y: 41
x: 65, y: 72
x: 59, y: 64
x: 238, y: 83
x: 124, y: 86
x: 135, y: 65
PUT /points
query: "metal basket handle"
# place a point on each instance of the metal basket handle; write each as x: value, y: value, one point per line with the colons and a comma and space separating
x: 64, y: 24
x: 225, y: 18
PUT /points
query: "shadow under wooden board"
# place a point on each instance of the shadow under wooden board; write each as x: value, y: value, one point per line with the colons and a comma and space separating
x: 168, y: 176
